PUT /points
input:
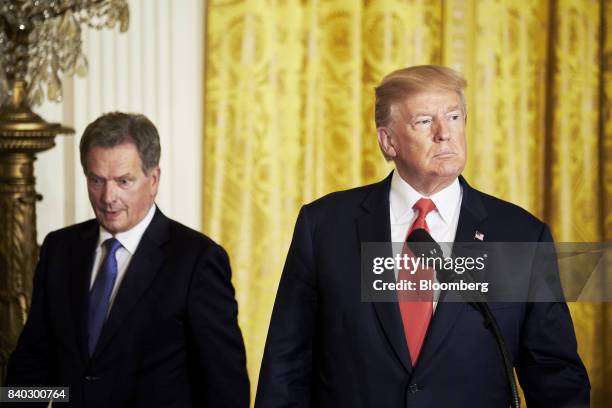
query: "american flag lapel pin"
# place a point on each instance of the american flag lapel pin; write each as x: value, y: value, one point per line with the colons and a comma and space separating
x: 479, y: 235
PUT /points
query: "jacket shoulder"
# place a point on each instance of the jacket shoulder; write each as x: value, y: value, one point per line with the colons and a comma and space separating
x: 72, y: 231
x: 342, y: 200
x: 179, y: 233
x: 507, y: 209
x: 509, y: 216
x: 184, y: 234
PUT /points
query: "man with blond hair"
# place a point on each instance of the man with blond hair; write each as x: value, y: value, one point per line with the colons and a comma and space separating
x: 328, y: 348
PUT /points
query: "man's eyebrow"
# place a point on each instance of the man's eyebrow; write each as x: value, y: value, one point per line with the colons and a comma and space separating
x: 416, y: 114
x: 126, y: 175
x: 453, y: 108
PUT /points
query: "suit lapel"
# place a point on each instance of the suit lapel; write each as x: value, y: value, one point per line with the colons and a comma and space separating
x: 143, y: 267
x: 80, y: 278
x: 471, y: 216
x: 374, y: 226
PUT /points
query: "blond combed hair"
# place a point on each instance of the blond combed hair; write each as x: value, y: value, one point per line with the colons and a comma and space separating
x: 399, y: 84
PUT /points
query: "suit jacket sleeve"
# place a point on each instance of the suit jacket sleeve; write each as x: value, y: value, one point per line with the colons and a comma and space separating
x: 548, y: 366
x: 218, y: 359
x: 284, y: 379
x: 29, y: 364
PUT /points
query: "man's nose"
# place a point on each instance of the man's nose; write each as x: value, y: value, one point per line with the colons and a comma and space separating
x: 109, y: 193
x: 442, y: 130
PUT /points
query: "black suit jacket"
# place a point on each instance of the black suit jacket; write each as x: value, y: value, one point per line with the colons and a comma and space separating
x: 327, y: 348
x: 171, y: 338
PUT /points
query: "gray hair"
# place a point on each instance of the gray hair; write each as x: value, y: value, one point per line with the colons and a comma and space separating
x: 116, y: 128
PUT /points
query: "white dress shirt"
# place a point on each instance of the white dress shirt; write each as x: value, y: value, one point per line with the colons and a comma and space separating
x: 129, y: 242
x: 442, y: 221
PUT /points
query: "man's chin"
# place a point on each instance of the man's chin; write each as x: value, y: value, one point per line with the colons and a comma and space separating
x: 112, y: 224
x: 450, y: 170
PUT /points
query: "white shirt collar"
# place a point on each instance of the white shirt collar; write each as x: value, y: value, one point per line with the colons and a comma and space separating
x: 403, y: 196
x: 131, y: 238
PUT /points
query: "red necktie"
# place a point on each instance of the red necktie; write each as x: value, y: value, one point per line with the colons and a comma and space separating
x: 416, y: 315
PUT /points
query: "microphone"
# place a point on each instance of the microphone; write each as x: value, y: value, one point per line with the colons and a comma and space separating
x: 422, y: 244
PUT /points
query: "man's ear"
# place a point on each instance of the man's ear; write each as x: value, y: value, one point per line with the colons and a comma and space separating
x: 154, y: 178
x: 386, y: 143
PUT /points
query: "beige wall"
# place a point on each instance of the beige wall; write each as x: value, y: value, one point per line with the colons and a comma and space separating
x: 155, y: 68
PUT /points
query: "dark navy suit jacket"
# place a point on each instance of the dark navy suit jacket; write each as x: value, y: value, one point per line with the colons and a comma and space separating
x: 327, y: 348
x: 171, y: 338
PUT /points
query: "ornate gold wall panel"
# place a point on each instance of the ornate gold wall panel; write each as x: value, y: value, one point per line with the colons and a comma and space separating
x: 603, y: 348
x: 500, y: 46
x: 289, y: 117
x: 574, y: 196
x: 574, y: 121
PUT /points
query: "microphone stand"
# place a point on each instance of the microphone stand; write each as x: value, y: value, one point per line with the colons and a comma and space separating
x: 476, y: 300
x: 491, y: 324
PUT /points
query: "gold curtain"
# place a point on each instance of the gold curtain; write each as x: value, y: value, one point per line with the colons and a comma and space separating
x: 289, y: 117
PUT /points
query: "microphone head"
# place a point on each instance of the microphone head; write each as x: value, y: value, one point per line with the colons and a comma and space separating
x: 421, y: 243
x: 419, y: 235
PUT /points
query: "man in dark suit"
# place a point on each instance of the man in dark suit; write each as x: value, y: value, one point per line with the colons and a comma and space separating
x: 328, y: 348
x: 131, y: 309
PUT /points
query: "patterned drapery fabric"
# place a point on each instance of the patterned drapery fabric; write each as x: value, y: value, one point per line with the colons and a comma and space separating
x: 289, y: 118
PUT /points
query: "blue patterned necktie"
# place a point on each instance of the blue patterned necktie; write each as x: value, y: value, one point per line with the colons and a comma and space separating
x: 100, y: 293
